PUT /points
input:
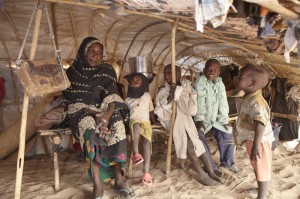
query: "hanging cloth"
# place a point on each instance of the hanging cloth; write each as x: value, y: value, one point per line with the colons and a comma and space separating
x: 281, y: 104
x: 213, y: 11
x: 291, y: 39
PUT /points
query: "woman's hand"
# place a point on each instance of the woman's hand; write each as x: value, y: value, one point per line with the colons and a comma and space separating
x: 102, y: 124
x: 102, y: 120
x: 105, y: 118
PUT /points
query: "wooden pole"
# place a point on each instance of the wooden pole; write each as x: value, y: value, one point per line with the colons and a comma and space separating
x: 56, y: 171
x: 276, y: 7
x: 35, y: 33
x: 77, y: 3
x: 20, y: 161
x: 168, y: 162
x: 286, y: 116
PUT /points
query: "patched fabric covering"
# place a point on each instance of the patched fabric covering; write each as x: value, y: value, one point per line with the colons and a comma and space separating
x: 162, y: 5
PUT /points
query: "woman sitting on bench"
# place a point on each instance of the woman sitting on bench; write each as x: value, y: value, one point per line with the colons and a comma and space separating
x: 96, y: 114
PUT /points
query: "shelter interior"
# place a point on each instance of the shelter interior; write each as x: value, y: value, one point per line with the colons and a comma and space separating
x: 144, y: 28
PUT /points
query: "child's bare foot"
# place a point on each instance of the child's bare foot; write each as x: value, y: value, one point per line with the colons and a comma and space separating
x: 208, y: 181
x: 218, y: 172
x: 232, y: 168
x: 216, y: 178
x: 181, y: 163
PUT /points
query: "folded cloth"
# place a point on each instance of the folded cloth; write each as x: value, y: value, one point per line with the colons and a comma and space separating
x: 214, y: 11
x: 54, y: 116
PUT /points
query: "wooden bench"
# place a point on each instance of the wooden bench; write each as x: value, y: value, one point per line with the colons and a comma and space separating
x: 55, y: 135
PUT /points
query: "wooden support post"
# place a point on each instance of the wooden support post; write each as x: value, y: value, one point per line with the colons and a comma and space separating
x: 168, y: 161
x: 20, y: 161
x: 56, y: 171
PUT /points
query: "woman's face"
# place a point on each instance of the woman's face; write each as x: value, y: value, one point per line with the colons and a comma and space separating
x: 94, y: 54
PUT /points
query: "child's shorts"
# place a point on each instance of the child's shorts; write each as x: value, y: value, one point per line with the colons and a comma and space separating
x: 146, y: 129
x: 262, y: 165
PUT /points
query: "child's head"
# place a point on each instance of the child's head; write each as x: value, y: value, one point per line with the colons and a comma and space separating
x: 212, y: 69
x: 252, y: 78
x: 168, y: 74
x: 138, y: 85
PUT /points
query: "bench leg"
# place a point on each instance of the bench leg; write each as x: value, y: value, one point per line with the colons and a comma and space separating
x: 56, y: 171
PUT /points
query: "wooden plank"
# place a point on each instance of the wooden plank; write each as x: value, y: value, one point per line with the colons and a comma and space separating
x: 286, y: 116
x: 50, y: 132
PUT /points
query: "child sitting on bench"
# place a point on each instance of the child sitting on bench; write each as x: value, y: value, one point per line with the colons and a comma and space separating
x: 141, y: 111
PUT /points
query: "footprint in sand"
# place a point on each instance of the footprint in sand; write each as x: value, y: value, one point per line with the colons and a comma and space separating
x: 277, y: 170
x: 181, y: 186
x: 163, y: 180
x: 34, y: 187
x: 286, y: 173
x: 162, y: 184
x: 287, y: 186
x: 176, y: 173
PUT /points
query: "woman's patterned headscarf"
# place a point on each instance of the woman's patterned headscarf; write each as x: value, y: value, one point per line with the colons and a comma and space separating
x: 81, y: 64
x: 98, y: 81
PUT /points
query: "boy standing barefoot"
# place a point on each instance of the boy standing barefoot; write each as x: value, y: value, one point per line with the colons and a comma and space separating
x: 253, y: 125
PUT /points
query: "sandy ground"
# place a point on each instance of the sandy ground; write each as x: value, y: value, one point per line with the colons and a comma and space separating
x: 38, y: 178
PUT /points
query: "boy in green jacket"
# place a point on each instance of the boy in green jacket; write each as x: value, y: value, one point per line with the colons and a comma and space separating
x: 212, y: 114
